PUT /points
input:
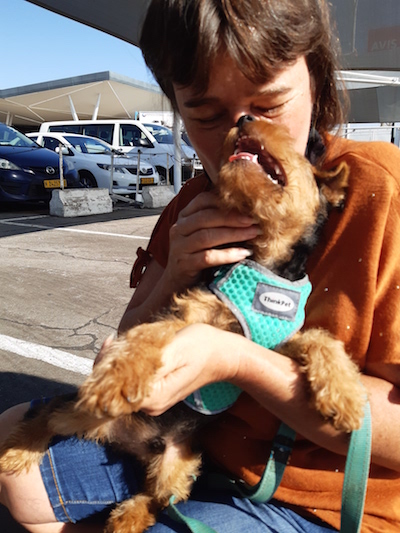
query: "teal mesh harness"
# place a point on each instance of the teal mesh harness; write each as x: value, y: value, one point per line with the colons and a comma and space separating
x: 270, y: 310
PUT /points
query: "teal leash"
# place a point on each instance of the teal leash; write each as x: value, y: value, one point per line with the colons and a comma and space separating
x: 195, y: 526
x: 354, y: 484
x: 356, y: 476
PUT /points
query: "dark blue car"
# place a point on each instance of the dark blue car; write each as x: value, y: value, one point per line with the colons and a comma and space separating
x: 29, y: 172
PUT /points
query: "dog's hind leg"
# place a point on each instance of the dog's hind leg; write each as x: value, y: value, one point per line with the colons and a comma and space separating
x: 25, y: 446
x: 30, y: 438
x: 333, y: 378
x: 169, y: 474
x: 132, y: 516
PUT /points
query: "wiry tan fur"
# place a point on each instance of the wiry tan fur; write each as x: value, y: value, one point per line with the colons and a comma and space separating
x: 107, y: 403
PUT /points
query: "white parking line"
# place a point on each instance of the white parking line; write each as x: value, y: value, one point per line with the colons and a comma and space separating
x: 52, y: 356
x: 11, y: 222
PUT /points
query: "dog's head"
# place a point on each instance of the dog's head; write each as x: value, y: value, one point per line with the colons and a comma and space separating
x: 263, y: 176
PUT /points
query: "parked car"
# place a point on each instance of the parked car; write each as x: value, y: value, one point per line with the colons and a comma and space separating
x: 129, y: 136
x: 93, y: 159
x: 191, y: 164
x: 29, y: 172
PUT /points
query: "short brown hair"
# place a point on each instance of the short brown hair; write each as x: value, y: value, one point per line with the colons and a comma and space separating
x: 180, y: 40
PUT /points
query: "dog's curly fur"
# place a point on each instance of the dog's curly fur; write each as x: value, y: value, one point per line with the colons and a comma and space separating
x: 290, y: 201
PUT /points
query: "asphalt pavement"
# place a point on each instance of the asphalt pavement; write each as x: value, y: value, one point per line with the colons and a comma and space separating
x: 64, y: 287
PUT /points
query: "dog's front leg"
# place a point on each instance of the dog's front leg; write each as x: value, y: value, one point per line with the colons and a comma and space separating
x: 125, y: 375
x: 333, y: 378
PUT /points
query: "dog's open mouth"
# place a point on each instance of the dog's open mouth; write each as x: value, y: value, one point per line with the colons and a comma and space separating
x: 249, y: 149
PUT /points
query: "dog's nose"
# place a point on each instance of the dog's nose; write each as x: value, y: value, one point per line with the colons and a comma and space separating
x: 243, y: 119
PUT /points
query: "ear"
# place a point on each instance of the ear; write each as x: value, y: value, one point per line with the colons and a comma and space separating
x: 333, y: 183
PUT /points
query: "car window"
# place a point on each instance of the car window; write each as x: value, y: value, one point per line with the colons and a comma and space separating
x: 69, y: 128
x: 102, y: 131
x: 11, y: 137
x: 162, y: 134
x: 130, y: 135
x: 51, y: 143
x: 87, y: 145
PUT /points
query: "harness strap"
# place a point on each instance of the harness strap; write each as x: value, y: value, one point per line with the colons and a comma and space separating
x: 354, y: 484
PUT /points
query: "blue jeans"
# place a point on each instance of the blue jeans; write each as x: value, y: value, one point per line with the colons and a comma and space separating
x: 84, y: 481
x: 227, y: 514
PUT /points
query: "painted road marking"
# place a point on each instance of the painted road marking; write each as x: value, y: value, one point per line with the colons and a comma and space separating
x: 52, y: 356
x: 11, y: 222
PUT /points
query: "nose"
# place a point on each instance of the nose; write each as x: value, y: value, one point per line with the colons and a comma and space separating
x: 243, y: 119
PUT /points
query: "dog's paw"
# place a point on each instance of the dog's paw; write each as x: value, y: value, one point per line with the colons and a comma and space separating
x: 132, y: 516
x: 336, y: 387
x: 124, y: 376
x: 334, y: 379
x: 112, y: 391
x: 342, y: 401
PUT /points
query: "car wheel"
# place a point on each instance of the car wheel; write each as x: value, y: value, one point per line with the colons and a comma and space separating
x: 87, y: 179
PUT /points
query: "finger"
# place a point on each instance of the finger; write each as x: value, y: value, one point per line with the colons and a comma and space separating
x: 200, y: 202
x: 209, y: 238
x: 210, y: 218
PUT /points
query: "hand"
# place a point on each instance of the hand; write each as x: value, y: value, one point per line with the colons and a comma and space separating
x: 196, y: 357
x: 202, y: 227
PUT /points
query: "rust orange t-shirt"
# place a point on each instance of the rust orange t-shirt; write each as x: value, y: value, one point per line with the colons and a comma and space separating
x: 355, y: 274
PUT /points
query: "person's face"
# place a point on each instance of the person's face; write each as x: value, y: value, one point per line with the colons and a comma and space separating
x: 287, y: 100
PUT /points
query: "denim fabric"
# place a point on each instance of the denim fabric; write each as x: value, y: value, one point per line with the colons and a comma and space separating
x: 83, y: 478
x: 84, y: 481
x: 227, y: 514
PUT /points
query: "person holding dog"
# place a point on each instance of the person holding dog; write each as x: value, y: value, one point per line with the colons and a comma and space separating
x: 273, y: 60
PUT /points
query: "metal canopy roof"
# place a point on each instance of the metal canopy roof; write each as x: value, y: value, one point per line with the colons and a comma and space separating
x: 369, y: 30
x: 102, y: 95
x: 120, y: 18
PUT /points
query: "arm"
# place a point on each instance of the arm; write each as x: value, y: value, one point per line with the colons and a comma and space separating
x: 276, y: 382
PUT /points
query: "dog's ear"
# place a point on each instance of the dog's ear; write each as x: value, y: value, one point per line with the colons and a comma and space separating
x: 333, y: 183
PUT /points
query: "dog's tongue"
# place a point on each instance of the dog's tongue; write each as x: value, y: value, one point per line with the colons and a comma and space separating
x: 244, y: 155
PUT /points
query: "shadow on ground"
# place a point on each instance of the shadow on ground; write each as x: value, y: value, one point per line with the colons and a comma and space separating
x: 14, y: 389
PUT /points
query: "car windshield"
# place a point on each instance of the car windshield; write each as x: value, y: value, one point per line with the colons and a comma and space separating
x: 11, y: 137
x: 162, y: 134
x: 86, y: 145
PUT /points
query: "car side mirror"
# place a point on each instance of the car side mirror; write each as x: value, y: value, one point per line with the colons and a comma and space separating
x: 64, y: 150
x: 146, y: 143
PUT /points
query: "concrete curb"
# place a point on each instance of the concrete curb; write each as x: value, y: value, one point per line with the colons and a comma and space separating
x: 159, y: 196
x: 80, y: 202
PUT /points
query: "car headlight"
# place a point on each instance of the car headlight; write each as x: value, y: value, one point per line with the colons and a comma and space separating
x: 108, y: 168
x: 5, y: 164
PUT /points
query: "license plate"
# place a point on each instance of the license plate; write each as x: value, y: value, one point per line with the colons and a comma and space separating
x: 53, y: 184
x: 146, y: 181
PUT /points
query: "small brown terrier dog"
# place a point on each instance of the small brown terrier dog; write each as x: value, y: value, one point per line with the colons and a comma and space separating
x: 262, y: 176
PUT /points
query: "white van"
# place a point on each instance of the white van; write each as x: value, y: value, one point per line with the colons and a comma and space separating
x: 129, y: 136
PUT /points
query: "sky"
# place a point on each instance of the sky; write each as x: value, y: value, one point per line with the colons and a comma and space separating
x: 39, y: 46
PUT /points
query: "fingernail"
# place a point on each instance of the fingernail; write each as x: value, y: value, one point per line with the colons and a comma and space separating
x: 244, y: 252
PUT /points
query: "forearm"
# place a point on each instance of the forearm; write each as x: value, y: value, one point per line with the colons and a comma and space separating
x: 276, y: 382
x: 152, y: 294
